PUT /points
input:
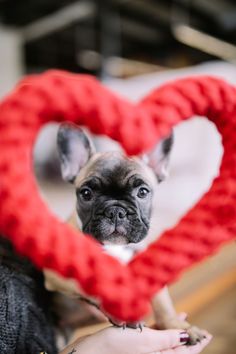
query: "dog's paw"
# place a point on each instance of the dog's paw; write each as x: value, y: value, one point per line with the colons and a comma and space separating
x: 116, y: 323
x: 195, y: 333
x: 134, y: 325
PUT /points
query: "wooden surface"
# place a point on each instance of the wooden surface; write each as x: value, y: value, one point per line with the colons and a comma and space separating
x: 219, y: 317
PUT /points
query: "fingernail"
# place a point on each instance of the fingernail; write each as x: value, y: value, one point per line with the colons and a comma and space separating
x: 184, y: 337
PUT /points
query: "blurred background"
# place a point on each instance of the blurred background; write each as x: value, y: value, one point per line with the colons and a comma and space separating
x: 134, y: 46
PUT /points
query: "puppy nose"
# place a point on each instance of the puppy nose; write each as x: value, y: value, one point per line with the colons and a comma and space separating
x: 115, y: 213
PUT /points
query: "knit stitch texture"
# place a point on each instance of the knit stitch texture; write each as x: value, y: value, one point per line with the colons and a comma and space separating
x: 25, y: 319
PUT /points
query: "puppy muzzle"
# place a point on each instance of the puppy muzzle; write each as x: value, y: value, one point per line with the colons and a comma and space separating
x: 116, y: 224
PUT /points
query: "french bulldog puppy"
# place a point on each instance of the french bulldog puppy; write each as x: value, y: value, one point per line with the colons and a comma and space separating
x: 115, y: 200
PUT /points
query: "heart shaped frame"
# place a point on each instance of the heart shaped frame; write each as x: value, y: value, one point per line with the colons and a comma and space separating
x: 123, y: 291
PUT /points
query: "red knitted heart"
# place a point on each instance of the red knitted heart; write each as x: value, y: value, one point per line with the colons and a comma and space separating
x: 124, y: 291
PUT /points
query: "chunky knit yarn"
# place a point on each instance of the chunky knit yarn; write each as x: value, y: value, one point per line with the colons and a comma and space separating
x: 25, y: 320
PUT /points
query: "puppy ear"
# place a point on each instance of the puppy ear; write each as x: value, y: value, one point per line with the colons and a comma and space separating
x: 75, y: 149
x: 158, y: 158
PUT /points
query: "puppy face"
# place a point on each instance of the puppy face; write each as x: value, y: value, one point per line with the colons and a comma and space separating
x: 114, y: 199
x: 114, y: 192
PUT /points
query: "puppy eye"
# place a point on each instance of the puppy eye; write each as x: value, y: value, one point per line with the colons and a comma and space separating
x: 143, y: 192
x: 86, y: 194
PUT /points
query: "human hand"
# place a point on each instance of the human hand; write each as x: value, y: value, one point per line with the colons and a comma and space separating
x: 113, y: 340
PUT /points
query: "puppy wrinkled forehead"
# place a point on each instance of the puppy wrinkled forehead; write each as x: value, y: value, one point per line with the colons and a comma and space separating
x: 113, y: 167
